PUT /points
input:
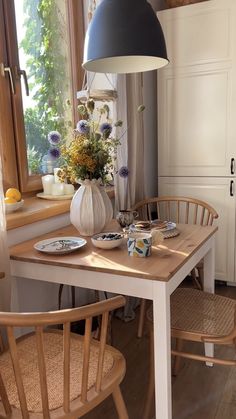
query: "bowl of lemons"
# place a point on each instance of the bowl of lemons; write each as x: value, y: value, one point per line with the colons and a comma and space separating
x: 12, y: 200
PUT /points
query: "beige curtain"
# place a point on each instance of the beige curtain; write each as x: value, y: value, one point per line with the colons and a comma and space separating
x: 5, y: 283
x: 131, y: 153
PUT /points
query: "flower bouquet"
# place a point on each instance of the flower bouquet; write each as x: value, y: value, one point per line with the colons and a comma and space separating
x: 92, y: 151
x: 89, y: 160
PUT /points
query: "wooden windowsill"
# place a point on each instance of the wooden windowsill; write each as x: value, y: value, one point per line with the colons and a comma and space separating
x: 37, y: 209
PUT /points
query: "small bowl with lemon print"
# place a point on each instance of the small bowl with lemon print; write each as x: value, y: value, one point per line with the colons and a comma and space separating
x: 12, y: 200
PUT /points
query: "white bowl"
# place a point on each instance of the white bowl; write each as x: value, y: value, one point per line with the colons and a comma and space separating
x: 14, y: 207
x: 107, y: 244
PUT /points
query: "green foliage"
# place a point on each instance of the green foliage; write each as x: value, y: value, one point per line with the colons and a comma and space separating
x: 45, y: 31
x: 34, y: 160
x: 36, y: 130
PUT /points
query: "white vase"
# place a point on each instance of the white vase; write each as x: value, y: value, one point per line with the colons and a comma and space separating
x: 91, y: 208
x: 108, y: 206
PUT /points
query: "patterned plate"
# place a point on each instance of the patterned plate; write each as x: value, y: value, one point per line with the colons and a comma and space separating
x: 60, y: 245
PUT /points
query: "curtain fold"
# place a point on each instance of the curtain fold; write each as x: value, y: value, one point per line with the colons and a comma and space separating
x: 131, y: 153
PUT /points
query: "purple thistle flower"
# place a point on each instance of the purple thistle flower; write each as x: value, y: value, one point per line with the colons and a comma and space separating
x: 54, y: 153
x: 82, y: 126
x: 54, y: 137
x: 106, y: 129
x: 123, y: 172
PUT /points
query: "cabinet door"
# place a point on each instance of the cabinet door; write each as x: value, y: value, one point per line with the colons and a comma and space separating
x: 216, y: 192
x: 197, y: 90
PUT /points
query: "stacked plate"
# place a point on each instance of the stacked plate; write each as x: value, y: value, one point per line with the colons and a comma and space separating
x: 168, y: 228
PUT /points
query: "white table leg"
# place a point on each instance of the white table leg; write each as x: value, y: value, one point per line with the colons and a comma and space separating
x: 209, y: 286
x: 209, y: 269
x: 162, y: 350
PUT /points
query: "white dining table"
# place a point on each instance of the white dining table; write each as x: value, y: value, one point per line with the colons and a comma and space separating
x: 154, y: 278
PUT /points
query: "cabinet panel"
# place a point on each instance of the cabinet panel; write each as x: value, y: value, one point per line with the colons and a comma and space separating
x: 197, y: 91
x: 203, y: 44
x: 197, y: 122
x: 215, y: 191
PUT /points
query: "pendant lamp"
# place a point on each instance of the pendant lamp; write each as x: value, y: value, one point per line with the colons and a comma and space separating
x: 124, y: 36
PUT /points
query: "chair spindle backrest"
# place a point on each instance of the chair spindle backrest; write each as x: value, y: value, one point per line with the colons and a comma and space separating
x: 42, y: 322
x: 178, y: 209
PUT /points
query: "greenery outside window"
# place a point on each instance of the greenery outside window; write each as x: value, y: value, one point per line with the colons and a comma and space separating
x: 41, y: 43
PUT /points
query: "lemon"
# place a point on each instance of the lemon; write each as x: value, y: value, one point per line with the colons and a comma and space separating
x: 10, y: 200
x: 13, y: 193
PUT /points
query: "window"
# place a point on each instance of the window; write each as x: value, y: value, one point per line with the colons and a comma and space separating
x: 40, y: 48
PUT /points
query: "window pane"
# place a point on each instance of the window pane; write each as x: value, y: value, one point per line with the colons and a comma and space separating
x: 43, y: 43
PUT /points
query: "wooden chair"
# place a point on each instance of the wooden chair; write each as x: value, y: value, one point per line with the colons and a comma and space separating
x: 52, y: 373
x: 195, y: 316
x: 180, y: 210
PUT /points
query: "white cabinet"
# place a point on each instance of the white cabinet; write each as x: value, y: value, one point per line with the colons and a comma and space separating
x: 197, y: 90
x: 197, y: 115
x: 215, y: 191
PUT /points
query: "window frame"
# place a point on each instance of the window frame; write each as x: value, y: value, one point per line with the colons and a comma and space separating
x: 12, y: 138
x: 7, y: 144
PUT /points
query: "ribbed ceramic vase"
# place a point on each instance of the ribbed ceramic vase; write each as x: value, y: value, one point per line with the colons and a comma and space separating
x: 91, y: 208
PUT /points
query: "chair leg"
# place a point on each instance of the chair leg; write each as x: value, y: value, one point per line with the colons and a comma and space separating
x: 109, y: 327
x: 141, y: 317
x: 73, y: 296
x: 200, y: 276
x: 177, y: 360
x: 119, y: 403
x: 195, y: 280
x: 59, y: 295
x: 1, y: 343
x: 151, y: 382
x: 110, y: 331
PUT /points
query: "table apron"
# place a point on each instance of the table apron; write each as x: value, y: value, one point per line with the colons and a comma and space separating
x: 119, y: 284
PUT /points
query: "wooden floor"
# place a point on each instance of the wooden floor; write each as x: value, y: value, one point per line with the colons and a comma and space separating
x: 199, y: 392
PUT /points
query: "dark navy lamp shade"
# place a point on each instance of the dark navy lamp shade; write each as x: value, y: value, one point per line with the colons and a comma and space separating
x: 124, y: 36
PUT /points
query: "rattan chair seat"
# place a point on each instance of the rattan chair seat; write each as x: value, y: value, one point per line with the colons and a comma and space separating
x: 200, y: 312
x: 53, y: 346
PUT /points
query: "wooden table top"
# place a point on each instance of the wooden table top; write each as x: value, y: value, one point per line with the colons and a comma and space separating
x: 165, y: 260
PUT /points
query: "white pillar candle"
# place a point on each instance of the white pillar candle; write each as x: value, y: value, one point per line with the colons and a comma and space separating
x: 47, y: 182
x: 58, y: 189
x: 56, y: 178
x: 68, y: 189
